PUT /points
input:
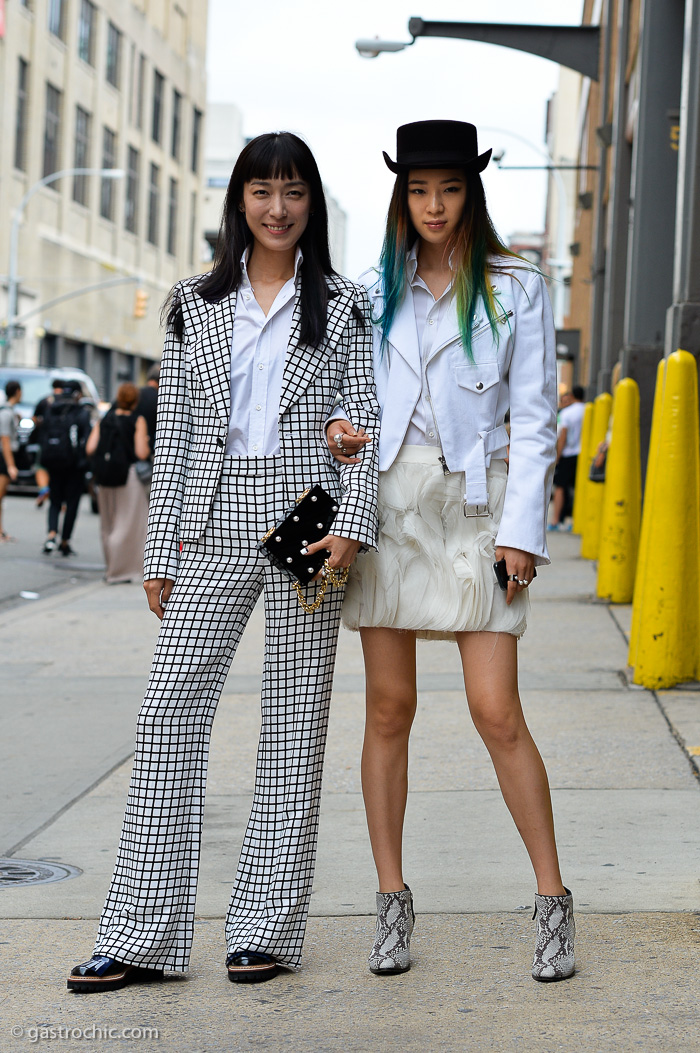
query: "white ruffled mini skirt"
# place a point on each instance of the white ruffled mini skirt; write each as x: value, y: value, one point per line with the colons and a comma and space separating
x: 433, y: 570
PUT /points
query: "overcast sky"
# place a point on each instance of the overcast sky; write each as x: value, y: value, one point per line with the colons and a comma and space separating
x: 293, y: 65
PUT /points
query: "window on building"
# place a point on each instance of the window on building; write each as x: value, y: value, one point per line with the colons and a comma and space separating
x: 52, y: 128
x: 153, y: 203
x: 86, y: 31
x: 21, y: 116
x: 172, y: 218
x: 140, y: 89
x: 157, y: 122
x: 132, y: 189
x: 114, y: 54
x: 56, y: 12
x: 177, y: 124
x: 109, y: 156
x: 196, y: 135
x: 81, y: 154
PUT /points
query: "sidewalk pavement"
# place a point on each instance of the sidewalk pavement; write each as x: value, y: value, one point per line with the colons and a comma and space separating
x: 621, y: 761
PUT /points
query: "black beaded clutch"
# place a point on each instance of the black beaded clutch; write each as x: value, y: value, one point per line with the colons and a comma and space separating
x: 308, y: 521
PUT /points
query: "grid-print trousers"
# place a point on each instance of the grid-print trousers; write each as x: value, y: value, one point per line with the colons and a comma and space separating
x: 148, y: 917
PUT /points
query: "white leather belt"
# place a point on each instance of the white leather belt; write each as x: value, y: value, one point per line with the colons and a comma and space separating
x: 476, y: 495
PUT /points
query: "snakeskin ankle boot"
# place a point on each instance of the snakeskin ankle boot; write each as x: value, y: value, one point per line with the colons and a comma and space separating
x: 554, y: 938
x: 391, y: 952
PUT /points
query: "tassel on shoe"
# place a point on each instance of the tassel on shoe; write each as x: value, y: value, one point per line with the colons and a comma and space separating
x: 554, y: 938
x: 391, y: 952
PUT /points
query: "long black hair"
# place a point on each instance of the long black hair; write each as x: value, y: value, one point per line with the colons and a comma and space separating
x: 274, y: 155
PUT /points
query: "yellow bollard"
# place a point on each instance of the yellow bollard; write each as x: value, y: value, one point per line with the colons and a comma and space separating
x: 593, y: 492
x: 668, y: 632
x: 648, y: 508
x: 582, y: 467
x: 622, y: 500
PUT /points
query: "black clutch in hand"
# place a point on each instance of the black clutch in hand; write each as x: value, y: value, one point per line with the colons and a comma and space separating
x: 306, y: 523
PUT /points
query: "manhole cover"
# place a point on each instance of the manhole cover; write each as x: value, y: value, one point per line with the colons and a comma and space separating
x: 15, y: 872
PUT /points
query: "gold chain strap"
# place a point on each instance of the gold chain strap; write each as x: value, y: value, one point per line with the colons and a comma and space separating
x: 331, y: 578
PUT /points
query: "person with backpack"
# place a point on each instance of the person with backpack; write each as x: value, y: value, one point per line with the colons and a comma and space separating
x: 115, y: 444
x: 66, y: 427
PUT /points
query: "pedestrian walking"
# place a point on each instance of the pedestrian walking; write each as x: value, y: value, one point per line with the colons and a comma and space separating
x: 256, y: 354
x: 463, y: 333
x: 568, y: 449
x: 66, y: 428
x: 116, y: 444
x: 8, y: 443
x: 40, y: 411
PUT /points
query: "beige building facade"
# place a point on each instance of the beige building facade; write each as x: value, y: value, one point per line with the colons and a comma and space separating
x: 100, y: 84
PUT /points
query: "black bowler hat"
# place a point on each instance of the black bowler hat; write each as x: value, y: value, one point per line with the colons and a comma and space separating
x: 437, y: 144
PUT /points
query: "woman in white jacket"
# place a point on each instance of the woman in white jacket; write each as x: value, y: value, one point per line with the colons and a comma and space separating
x: 463, y: 335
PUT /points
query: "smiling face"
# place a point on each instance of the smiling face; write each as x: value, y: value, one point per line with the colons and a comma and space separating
x: 277, y: 211
x: 436, y: 200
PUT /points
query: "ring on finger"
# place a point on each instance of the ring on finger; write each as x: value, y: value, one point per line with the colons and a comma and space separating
x: 523, y: 581
x: 338, y: 439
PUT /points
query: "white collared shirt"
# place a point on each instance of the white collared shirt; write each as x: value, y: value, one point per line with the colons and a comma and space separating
x: 258, y: 351
x: 429, y: 313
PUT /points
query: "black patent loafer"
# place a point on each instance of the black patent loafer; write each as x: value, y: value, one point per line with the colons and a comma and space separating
x: 250, y: 967
x: 107, y: 974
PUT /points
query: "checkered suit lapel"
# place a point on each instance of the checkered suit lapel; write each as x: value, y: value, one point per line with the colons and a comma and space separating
x: 303, y: 362
x: 211, y: 351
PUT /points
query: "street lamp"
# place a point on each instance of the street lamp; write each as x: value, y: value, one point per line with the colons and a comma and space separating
x: 372, y: 48
x: 574, y: 46
x: 106, y: 173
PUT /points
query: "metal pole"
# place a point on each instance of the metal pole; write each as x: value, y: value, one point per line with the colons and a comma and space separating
x: 618, y: 212
x: 574, y: 46
x: 594, y: 357
x: 654, y: 182
x: 109, y: 284
x: 683, y: 318
x: 106, y: 173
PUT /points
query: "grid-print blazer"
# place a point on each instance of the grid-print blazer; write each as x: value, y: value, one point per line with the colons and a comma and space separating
x: 194, y: 401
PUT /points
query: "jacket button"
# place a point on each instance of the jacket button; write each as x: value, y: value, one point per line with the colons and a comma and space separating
x: 479, y: 386
x: 220, y: 442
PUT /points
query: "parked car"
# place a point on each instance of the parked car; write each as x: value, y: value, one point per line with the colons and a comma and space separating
x: 36, y: 384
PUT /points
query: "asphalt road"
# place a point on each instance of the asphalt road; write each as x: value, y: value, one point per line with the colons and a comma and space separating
x: 24, y: 567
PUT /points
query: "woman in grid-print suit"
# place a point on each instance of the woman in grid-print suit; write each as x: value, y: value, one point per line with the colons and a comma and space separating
x: 207, y: 513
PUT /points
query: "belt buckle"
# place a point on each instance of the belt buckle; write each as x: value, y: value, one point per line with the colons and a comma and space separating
x: 480, y: 511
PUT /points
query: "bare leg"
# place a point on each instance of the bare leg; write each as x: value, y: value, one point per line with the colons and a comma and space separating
x: 490, y: 668
x: 390, y: 668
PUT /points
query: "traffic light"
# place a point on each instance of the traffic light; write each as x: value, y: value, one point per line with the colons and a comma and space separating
x: 140, y: 303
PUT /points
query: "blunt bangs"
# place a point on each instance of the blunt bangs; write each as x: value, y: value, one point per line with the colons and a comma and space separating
x: 277, y: 155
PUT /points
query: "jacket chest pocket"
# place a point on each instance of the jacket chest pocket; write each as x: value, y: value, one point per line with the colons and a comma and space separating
x: 478, y: 377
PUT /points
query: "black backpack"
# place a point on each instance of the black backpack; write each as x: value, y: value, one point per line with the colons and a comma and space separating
x: 111, y: 460
x: 61, y: 446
